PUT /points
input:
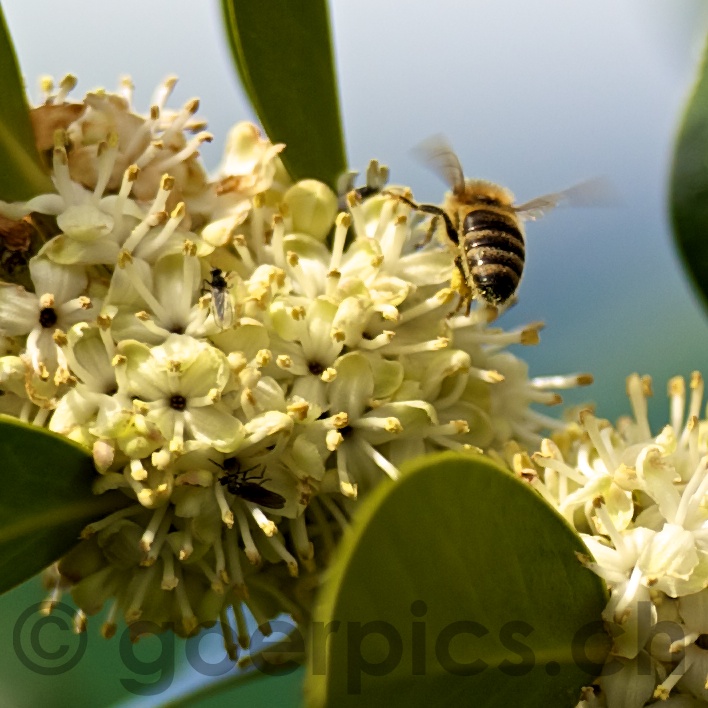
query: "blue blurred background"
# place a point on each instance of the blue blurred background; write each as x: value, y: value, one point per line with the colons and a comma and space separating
x: 535, y: 95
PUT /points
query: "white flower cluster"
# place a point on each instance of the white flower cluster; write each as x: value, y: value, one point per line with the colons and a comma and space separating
x: 640, y: 503
x: 240, y: 359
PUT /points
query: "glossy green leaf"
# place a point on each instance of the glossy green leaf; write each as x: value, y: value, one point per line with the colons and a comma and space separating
x: 458, y: 585
x: 689, y: 184
x: 283, y: 54
x: 22, y: 175
x: 46, y: 499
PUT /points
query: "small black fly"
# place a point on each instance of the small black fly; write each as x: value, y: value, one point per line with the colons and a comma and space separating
x: 250, y: 488
x: 221, y: 306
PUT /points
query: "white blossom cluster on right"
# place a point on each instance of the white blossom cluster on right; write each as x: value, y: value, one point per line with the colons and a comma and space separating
x: 640, y: 504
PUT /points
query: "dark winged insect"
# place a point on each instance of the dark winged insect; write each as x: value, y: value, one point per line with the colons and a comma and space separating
x: 221, y: 306
x: 248, y: 488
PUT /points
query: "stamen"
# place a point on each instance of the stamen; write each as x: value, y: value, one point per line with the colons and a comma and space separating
x: 379, y: 459
x: 277, y: 545
x: 189, y: 621
x: 380, y: 340
x: 216, y: 585
x: 234, y: 564
x: 66, y: 85
x: 145, y: 292
x: 138, y: 233
x: 391, y: 247
x: 676, y: 390
x: 390, y: 425
x: 441, y: 298
x: 609, y: 526
x: 357, y: 215
x: 187, y: 547
x: 80, y: 622
x: 150, y: 325
x: 490, y: 376
x: 264, y: 523
x: 589, y: 422
x: 148, y: 536
x: 60, y: 169
x: 663, y: 690
x: 41, y: 418
x: 228, y: 636
x: 277, y: 241
x: 189, y: 150
x: 169, y: 579
x: 220, y: 561
x: 334, y: 510
x: 178, y: 122
x: 134, y: 149
x: 126, y: 89
x: 96, y: 526
x: 401, y: 232
x: 243, y: 636
x: 249, y: 546
x: 340, y: 235
x: 694, y: 493
x: 158, y: 241
x: 107, y: 153
x: 320, y: 524
x: 306, y: 283
x: 163, y: 92
x: 558, y: 465
x: 303, y: 546
x: 227, y: 516
x: 109, y: 626
x: 190, y: 268
x: 563, y: 382
x: 694, y: 407
x: 346, y: 486
x: 429, y: 346
x: 177, y: 441
x: 258, y: 239
x: 149, y: 154
x: 46, y: 86
x: 144, y: 580
x: 138, y: 471
x: 239, y: 243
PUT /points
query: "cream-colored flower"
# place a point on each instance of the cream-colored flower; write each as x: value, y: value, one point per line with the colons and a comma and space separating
x: 240, y: 442
x: 57, y: 303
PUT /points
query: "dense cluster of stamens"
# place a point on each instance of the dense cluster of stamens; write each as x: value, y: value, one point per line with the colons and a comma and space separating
x: 639, y: 503
x: 242, y: 360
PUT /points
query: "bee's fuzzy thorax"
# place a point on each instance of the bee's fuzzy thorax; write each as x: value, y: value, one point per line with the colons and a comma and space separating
x: 480, y: 190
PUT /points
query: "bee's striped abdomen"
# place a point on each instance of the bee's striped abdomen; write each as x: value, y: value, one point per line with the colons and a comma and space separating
x: 494, y: 248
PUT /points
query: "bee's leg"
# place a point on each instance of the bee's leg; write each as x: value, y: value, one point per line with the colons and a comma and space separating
x: 357, y: 196
x: 366, y: 191
x: 441, y: 213
x: 432, y: 228
x: 460, y: 283
x: 436, y: 211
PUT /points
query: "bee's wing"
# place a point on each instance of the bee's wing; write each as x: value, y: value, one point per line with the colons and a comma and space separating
x: 592, y: 192
x: 437, y: 154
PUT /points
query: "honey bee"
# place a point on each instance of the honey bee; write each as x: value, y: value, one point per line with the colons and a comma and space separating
x: 484, y: 228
